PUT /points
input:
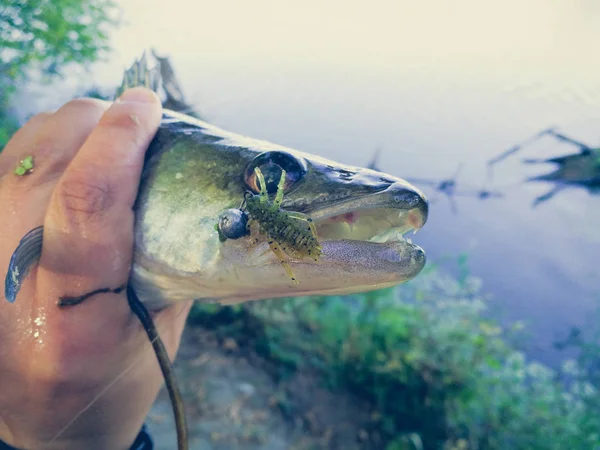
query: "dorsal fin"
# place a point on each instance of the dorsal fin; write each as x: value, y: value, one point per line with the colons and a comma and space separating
x: 139, y: 74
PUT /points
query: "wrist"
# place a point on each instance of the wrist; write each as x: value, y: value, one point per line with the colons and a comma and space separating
x: 24, y: 434
x: 143, y: 441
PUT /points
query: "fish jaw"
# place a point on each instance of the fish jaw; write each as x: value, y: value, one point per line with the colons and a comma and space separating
x: 194, y: 171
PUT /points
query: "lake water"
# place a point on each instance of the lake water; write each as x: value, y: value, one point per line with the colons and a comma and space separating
x: 432, y: 85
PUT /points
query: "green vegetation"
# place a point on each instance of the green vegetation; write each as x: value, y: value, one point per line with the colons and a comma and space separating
x: 8, y: 122
x: 25, y: 166
x: 45, y: 36
x: 437, y: 372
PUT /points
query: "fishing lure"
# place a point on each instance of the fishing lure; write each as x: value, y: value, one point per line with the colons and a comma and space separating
x: 232, y: 224
x: 289, y: 233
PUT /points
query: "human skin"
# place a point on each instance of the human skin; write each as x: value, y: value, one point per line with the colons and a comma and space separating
x: 55, y: 362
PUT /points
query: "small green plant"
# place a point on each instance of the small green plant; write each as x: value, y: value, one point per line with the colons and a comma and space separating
x: 25, y: 166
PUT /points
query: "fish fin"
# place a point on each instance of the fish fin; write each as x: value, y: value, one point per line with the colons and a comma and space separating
x: 139, y: 74
x: 25, y: 256
x: 168, y: 80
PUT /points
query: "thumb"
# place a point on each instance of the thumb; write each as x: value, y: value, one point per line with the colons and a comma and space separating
x: 88, y: 229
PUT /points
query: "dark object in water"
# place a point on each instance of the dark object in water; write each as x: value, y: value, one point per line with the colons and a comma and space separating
x: 580, y: 169
x: 446, y: 186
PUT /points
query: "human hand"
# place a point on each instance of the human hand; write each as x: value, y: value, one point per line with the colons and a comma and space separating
x: 57, y: 363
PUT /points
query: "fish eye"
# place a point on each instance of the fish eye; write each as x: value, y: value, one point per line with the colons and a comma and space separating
x: 271, y: 164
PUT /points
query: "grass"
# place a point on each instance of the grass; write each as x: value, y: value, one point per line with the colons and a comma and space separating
x: 438, y: 373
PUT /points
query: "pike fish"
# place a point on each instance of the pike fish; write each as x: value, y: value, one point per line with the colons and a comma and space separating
x: 195, y: 171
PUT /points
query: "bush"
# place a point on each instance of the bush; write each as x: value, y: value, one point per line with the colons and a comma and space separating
x: 438, y: 372
x: 46, y: 36
x: 8, y: 122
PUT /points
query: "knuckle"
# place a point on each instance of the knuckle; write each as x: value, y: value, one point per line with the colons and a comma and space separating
x: 126, y: 120
x: 83, y: 195
x: 85, y: 105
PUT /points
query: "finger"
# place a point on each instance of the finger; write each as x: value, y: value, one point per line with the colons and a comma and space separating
x: 20, y: 142
x: 16, y: 220
x: 53, y: 150
x: 53, y: 140
x: 88, y: 235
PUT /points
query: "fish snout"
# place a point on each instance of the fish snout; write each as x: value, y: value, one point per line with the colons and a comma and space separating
x: 407, y: 197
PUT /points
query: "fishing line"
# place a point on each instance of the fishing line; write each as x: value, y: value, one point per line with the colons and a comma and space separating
x: 165, y: 365
x: 155, y: 338
x: 94, y: 400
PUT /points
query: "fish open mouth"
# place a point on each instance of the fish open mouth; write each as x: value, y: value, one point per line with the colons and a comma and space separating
x: 368, y: 233
x: 378, y: 225
x: 381, y: 217
x: 362, y: 240
x: 373, y: 239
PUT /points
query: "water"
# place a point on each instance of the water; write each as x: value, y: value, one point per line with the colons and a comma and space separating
x: 432, y: 85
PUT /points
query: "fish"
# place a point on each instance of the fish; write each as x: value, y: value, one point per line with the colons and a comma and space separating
x: 194, y: 171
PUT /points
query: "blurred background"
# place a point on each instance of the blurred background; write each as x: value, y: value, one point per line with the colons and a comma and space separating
x: 495, y: 345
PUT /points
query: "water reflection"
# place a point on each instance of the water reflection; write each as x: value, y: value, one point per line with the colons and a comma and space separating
x: 581, y: 169
x: 445, y: 186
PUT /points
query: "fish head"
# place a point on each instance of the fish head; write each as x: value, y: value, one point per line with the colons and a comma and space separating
x: 196, y: 171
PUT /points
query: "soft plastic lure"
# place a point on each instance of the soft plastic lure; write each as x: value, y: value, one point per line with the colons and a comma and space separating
x: 289, y: 233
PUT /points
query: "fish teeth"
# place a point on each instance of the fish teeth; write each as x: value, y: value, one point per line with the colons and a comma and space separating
x: 392, y: 234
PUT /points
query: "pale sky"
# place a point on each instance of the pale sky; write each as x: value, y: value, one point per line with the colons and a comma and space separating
x: 541, y: 47
x: 481, y: 35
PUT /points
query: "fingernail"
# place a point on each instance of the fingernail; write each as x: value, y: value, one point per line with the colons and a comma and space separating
x: 138, y: 95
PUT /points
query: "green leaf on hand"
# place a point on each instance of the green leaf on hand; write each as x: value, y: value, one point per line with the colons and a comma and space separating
x: 25, y: 166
